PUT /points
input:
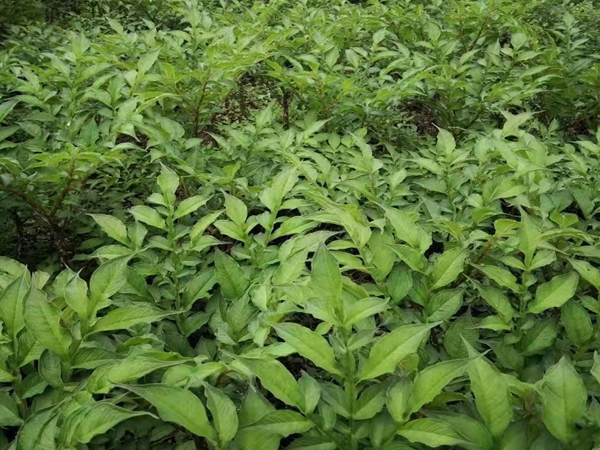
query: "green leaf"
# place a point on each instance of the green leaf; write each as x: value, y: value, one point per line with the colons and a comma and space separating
x: 492, y: 396
x: 445, y: 142
x: 11, y: 304
x: 389, y: 350
x: 564, y: 398
x: 128, y: 369
x: 444, y: 304
x: 538, y: 338
x: 554, y: 293
x: 168, y: 181
x: 177, y: 405
x: 231, y: 277
x: 500, y: 276
x: 314, y: 443
x: 407, y: 230
x: 9, y: 413
x: 189, y: 205
x: 309, y: 393
x: 147, y: 60
x: 274, y: 377
x: 308, y: 344
x: 112, y: 226
x: 128, y: 316
x: 529, y: 237
x: 497, y: 300
x: 431, y: 381
x: 596, y: 367
x: 370, y: 402
x: 283, y: 423
x: 325, y: 277
x: 283, y: 183
x: 397, y: 399
x: 148, y: 216
x: 96, y: 419
x: 399, y: 283
x: 433, y: 433
x: 236, y: 210
x: 106, y: 281
x: 42, y: 319
x: 447, y: 267
x: 577, y: 322
x: 223, y: 412
x: 588, y: 272
x: 75, y: 295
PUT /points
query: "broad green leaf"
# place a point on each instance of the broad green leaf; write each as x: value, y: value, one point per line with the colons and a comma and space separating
x: 492, y: 396
x: 444, y: 304
x: 127, y: 316
x: 283, y: 423
x: 588, y: 272
x: 370, y: 402
x: 596, y: 367
x: 325, y: 277
x: 189, y: 205
x: 554, y: 293
x: 399, y: 283
x: 362, y: 309
x: 236, y: 210
x: 283, y: 183
x: 42, y: 319
x: 309, y: 393
x: 431, y: 381
x: 128, y: 369
x: 223, y: 412
x: 433, y: 433
x: 307, y: 442
x: 106, y: 281
x: 389, y: 350
x: 497, y: 300
x: 539, y: 337
x: 9, y: 413
x: 96, y: 419
x: 529, y: 237
x: 577, y: 322
x: 308, y: 344
x: 274, y: 377
x: 445, y: 142
x: 149, y: 216
x: 177, y: 405
x: 501, y: 276
x: 397, y: 399
x: 147, y: 60
x: 168, y: 181
x: 407, y: 230
x: 112, y: 226
x: 75, y: 295
x: 231, y: 277
x: 564, y: 398
x: 11, y: 304
x: 447, y: 267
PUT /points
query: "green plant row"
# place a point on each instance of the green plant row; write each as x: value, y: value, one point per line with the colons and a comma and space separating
x: 304, y: 226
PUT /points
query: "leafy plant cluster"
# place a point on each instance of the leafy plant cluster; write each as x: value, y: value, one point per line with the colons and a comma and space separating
x: 305, y: 226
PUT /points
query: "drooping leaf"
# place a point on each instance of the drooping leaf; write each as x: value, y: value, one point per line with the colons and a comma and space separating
x: 177, y: 405
x: 564, y: 398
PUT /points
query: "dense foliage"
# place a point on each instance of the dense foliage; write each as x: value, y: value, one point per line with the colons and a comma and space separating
x: 309, y: 225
